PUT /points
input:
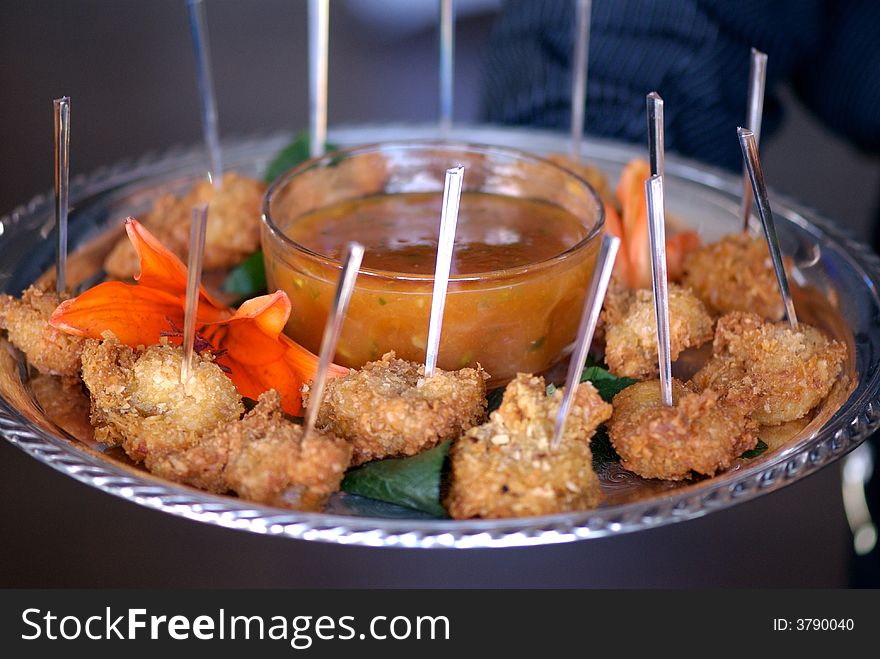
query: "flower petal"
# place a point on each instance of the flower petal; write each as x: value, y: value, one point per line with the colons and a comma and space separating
x: 259, y: 356
x: 249, y: 341
x: 137, y: 315
x: 678, y: 246
x: 633, y: 229
x: 634, y: 220
x: 160, y: 268
x: 269, y: 311
x: 614, y: 227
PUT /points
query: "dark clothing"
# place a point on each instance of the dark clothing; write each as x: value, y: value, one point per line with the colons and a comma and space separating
x: 695, y: 53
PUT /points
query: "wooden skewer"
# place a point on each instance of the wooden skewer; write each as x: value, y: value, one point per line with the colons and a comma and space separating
x: 755, y: 111
x: 446, y: 242
x: 62, y: 188
x: 579, y: 76
x: 749, y: 145
x: 351, y: 263
x: 199, y: 32
x: 447, y: 61
x: 193, y: 279
x: 657, y: 240
x: 319, y: 38
x: 587, y: 327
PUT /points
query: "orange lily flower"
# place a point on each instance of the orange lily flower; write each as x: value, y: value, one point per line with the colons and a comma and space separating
x: 249, y: 341
x: 634, y: 259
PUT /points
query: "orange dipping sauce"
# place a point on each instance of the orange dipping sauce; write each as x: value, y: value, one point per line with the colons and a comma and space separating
x: 521, y: 268
x: 400, y: 231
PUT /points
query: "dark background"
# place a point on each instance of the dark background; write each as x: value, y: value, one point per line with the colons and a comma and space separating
x: 127, y: 66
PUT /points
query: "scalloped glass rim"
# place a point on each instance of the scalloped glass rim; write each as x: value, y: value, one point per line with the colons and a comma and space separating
x: 852, y: 268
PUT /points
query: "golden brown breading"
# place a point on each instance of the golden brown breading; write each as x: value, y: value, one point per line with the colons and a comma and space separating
x: 197, y: 461
x: 507, y: 468
x: 65, y: 403
x: 735, y: 274
x: 233, y: 230
x: 775, y: 437
x: 279, y: 466
x: 193, y: 433
x: 631, y: 330
x: 262, y: 458
x: 699, y: 433
x: 777, y: 373
x: 139, y: 403
x: 388, y: 409
x: 27, y: 322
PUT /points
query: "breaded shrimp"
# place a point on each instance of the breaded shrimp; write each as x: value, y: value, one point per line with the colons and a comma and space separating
x: 263, y: 458
x: 507, y: 467
x: 631, y: 330
x: 65, y: 402
x: 233, y: 230
x: 389, y: 409
x: 735, y: 274
x: 699, y: 433
x: 139, y: 403
x: 777, y: 373
x: 27, y: 322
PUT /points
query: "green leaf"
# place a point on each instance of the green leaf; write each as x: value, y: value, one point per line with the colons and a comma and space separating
x: 247, y: 279
x: 760, y: 447
x: 290, y: 156
x: 295, y: 153
x: 493, y: 399
x: 413, y: 482
x: 607, y: 384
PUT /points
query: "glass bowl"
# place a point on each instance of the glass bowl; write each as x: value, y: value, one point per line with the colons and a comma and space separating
x: 525, y: 246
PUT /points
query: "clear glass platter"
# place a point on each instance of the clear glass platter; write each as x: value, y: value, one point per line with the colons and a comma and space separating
x: 838, y: 270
